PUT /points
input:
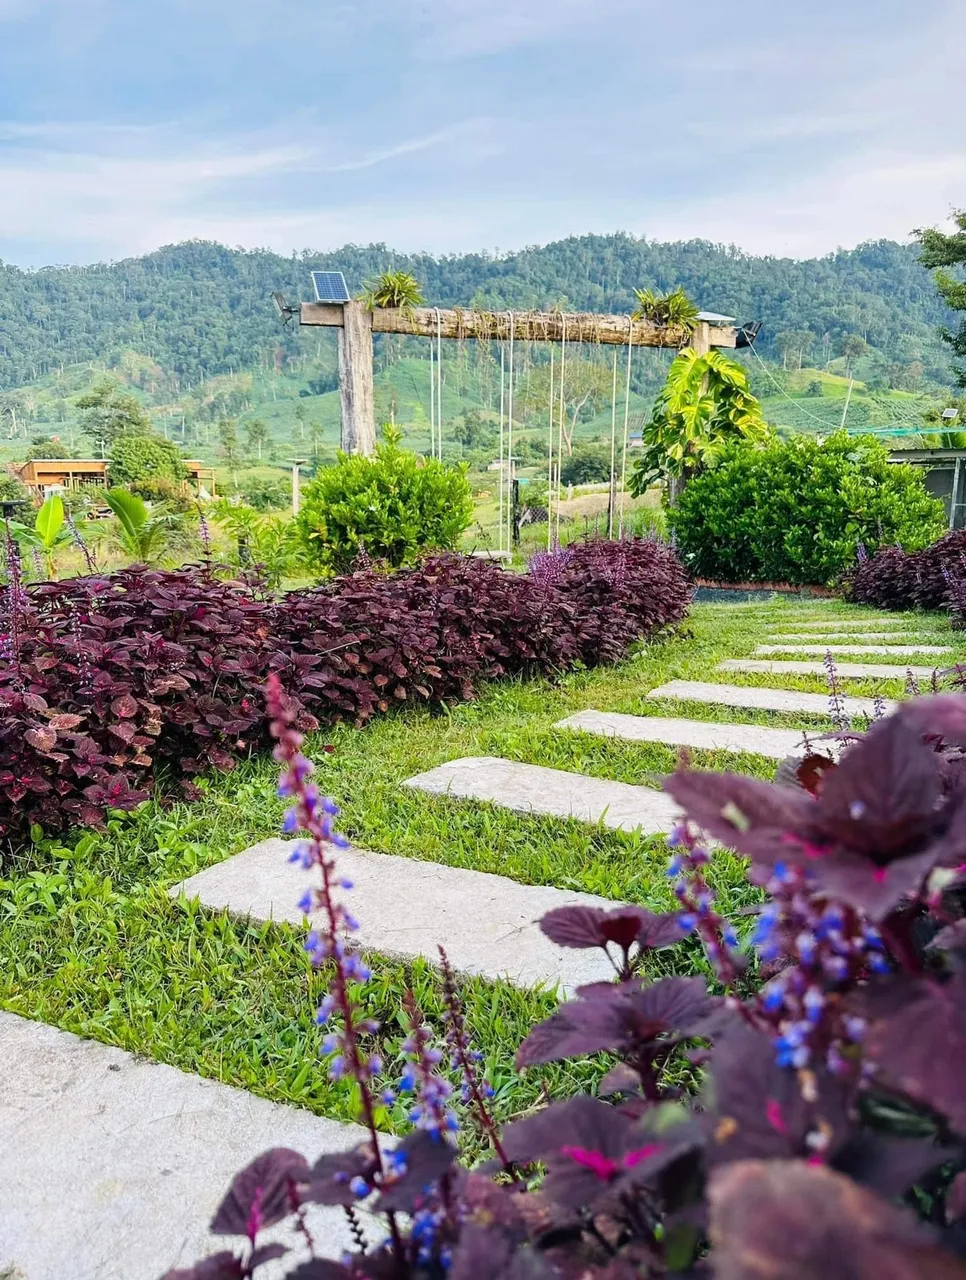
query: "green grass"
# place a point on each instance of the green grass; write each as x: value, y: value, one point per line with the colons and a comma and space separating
x: 90, y: 941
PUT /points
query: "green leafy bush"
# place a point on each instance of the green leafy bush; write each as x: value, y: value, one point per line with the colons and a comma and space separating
x: 588, y: 464
x: 148, y: 457
x: 263, y: 493
x: 394, y: 506
x: 796, y: 510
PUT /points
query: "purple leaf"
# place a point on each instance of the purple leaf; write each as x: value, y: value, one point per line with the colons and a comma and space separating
x: 260, y: 1196
x: 428, y: 1156
x: 580, y: 926
x: 217, y: 1266
x: 786, y: 1220
x: 917, y: 1040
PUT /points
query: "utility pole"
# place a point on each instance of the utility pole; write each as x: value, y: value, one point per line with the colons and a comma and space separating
x: 848, y: 397
x: 296, y: 485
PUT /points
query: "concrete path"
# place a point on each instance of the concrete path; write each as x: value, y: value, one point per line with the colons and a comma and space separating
x: 406, y: 908
x: 895, y: 650
x: 846, y: 670
x: 112, y: 1166
x: 777, y: 743
x: 530, y: 788
x: 815, y: 637
x: 788, y: 700
x: 847, y: 624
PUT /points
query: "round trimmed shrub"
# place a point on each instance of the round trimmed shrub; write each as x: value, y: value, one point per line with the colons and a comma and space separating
x: 797, y: 510
x: 393, y: 506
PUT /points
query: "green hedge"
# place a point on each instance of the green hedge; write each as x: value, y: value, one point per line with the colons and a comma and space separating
x: 394, y: 506
x: 795, y: 510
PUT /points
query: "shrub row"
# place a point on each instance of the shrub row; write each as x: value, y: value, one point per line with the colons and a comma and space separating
x: 795, y: 510
x: 897, y: 579
x: 115, y: 679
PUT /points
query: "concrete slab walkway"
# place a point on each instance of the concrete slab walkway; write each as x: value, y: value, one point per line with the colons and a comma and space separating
x: 407, y: 908
x: 894, y: 650
x: 530, y: 788
x: 843, y: 624
x: 112, y: 1166
x: 776, y: 743
x: 816, y: 637
x: 846, y: 670
x: 788, y: 700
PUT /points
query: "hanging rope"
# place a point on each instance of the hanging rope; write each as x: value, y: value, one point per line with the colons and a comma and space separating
x: 439, y: 383
x: 432, y: 404
x: 550, y: 464
x: 509, y: 446
x: 612, y: 495
x: 560, y: 422
x: 627, y: 411
x: 502, y: 445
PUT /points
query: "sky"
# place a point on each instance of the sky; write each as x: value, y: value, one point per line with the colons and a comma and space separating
x: 456, y: 125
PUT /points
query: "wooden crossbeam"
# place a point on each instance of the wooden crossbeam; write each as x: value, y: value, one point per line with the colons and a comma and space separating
x: 526, y: 326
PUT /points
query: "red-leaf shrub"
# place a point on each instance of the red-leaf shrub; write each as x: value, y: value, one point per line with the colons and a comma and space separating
x: 896, y: 579
x: 153, y: 669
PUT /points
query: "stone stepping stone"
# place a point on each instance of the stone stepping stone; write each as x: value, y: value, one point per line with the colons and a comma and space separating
x: 852, y: 624
x: 788, y: 700
x: 897, y: 650
x: 875, y: 637
x: 406, y: 908
x: 777, y: 743
x: 149, y: 1152
x: 847, y: 670
x: 531, y: 788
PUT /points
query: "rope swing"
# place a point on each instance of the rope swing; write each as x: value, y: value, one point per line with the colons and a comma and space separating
x: 509, y: 447
x: 627, y: 411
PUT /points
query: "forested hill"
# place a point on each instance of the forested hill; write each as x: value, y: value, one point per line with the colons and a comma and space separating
x: 200, y: 308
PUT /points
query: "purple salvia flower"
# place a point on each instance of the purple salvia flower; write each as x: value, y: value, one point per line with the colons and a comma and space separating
x: 698, y: 914
x: 430, y: 1091
x: 835, y: 704
x: 79, y: 543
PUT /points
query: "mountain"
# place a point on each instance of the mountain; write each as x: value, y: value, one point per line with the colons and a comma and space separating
x: 199, y: 309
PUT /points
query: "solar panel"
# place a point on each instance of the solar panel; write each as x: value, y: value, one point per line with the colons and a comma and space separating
x: 330, y: 286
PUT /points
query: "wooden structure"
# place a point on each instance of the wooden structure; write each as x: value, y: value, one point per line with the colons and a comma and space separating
x: 944, y: 477
x: 43, y: 475
x: 356, y: 325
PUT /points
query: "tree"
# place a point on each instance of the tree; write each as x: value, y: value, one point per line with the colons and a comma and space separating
x: 258, y: 436
x: 300, y: 419
x: 49, y: 447
x: 228, y: 441
x: 853, y: 348
x: 109, y: 414
x: 586, y: 388
x: 939, y: 252
x: 794, y: 343
x: 704, y: 405
x: 473, y: 430
x: 148, y: 457
x: 588, y: 464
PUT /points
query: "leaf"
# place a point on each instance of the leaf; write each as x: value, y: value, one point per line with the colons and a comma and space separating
x: 581, y: 926
x: 65, y: 722
x: 917, y: 1039
x: 786, y: 1220
x: 42, y: 738
x: 217, y: 1266
x: 260, y: 1192
x: 125, y: 706
x: 266, y: 1253
x: 50, y: 520
x: 428, y: 1156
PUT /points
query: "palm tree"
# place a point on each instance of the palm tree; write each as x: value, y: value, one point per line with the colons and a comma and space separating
x: 144, y: 533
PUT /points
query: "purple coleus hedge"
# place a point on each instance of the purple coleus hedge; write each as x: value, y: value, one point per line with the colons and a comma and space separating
x: 826, y: 1134
x: 113, y: 680
x: 934, y: 578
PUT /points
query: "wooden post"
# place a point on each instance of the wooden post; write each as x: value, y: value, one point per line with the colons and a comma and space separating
x: 701, y: 338
x: 356, y: 380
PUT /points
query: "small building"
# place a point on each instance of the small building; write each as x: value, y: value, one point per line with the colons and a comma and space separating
x: 944, y: 473
x: 42, y: 475
x: 50, y: 475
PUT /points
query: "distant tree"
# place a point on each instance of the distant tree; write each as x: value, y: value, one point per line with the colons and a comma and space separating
x: 941, y: 251
x: 148, y: 457
x: 109, y: 413
x: 228, y: 442
x: 853, y: 348
x: 586, y: 388
x: 588, y: 464
x: 300, y: 419
x: 473, y: 430
x: 49, y: 447
x: 258, y: 436
x: 793, y: 345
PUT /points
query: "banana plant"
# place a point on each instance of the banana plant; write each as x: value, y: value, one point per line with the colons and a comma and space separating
x: 143, y: 533
x: 48, y: 534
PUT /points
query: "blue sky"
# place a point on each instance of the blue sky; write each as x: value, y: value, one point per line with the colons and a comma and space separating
x: 449, y: 125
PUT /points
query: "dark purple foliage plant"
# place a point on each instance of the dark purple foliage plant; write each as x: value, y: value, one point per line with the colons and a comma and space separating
x: 111, y: 680
x: 934, y: 578
x: 827, y: 1133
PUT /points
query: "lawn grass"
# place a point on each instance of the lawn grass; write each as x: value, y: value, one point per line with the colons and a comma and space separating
x: 90, y: 941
